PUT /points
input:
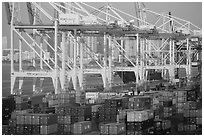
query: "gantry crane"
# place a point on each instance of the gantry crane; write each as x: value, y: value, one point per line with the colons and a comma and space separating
x: 73, y: 34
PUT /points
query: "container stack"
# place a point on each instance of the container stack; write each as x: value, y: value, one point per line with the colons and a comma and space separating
x: 95, y: 116
x: 39, y: 103
x: 16, y: 121
x: 140, y: 102
x: 139, y: 122
x: 190, y: 116
x: 162, y: 127
x: 75, y: 112
x: 5, y: 130
x: 8, y: 106
x: 112, y: 129
x: 151, y: 113
x: 166, y: 105
x: 59, y: 99
x: 123, y: 115
x: 191, y: 95
x: 80, y: 97
x: 80, y: 128
x: 22, y: 102
x: 109, y: 111
x: 180, y: 101
x: 36, y: 124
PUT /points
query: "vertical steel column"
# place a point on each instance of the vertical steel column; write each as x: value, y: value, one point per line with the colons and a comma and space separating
x: 188, y: 59
x: 105, y: 62
x: 75, y: 61
x: 41, y: 53
x: 137, y: 60
x: 20, y: 61
x: 70, y: 48
x: 77, y: 48
x: 11, y: 52
x: 92, y: 44
x: 63, y: 60
x: 41, y: 61
x: 56, y: 59
x: 110, y: 61
x: 88, y: 44
x: 171, y: 68
x: 121, y: 51
x: 170, y: 51
x: 20, y: 53
x: 81, y: 66
x: 173, y: 52
x: 34, y: 32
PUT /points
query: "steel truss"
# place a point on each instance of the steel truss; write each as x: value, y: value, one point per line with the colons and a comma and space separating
x: 160, y: 48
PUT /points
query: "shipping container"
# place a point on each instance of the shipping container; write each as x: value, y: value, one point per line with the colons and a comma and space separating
x: 112, y: 128
x: 37, y: 99
x: 190, y: 105
x: 67, y: 128
x: 5, y: 130
x: 48, y: 129
x: 35, y: 129
x: 22, y: 106
x: 48, y: 119
x: 28, y: 119
x: 35, y: 119
x: 199, y: 113
x: 95, y: 108
x: 20, y: 130
x: 21, y: 99
x: 137, y: 116
x: 12, y: 122
x: 81, y: 127
x: 199, y: 121
x: 20, y: 119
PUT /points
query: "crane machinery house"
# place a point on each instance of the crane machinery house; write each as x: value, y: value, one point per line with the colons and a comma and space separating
x: 69, y: 19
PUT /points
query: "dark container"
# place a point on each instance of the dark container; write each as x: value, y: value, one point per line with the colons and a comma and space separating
x: 12, y: 130
x: 37, y: 99
x: 48, y: 129
x: 35, y: 129
x: 27, y: 130
x: 130, y: 132
x: 5, y: 130
x: 60, y: 129
x: 167, y: 103
x: 48, y: 110
x: 21, y: 99
x: 189, y: 120
x: 12, y: 122
x: 8, y: 106
x: 67, y: 128
x: 48, y: 119
x: 22, y: 106
x: 130, y: 126
x: 20, y: 130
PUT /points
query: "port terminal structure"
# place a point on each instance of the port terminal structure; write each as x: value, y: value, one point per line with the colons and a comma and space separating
x: 167, y: 44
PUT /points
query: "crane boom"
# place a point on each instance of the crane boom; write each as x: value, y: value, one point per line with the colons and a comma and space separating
x: 8, y: 12
x: 139, y: 14
x: 30, y: 12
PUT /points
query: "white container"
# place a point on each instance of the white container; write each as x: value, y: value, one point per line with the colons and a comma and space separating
x: 92, y: 95
x: 89, y: 20
x: 197, y: 32
x: 146, y: 27
x: 130, y: 116
x: 67, y: 19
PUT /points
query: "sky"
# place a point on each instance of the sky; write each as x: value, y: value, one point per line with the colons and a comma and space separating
x: 191, y: 11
